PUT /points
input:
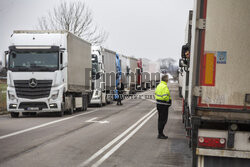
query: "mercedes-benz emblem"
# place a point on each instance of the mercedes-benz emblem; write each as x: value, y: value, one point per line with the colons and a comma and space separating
x: 32, y: 83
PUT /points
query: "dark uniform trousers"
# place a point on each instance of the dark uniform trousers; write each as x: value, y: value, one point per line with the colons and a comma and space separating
x: 162, y: 117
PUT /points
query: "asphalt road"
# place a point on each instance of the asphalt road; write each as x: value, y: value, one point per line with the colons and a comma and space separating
x: 110, y: 136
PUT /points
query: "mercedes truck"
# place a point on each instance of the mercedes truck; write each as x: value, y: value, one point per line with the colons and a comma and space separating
x: 48, y: 71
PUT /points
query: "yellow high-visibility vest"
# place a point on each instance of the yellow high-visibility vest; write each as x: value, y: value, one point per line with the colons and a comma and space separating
x: 162, y: 92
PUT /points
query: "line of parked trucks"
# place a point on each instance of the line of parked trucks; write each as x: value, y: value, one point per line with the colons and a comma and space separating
x: 55, y: 71
x: 214, y: 83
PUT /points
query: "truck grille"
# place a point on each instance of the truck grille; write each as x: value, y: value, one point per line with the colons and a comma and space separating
x: 39, y: 105
x: 41, y: 90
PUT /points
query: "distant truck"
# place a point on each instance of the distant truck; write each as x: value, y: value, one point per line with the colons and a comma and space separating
x: 103, y: 68
x: 155, y: 75
x: 133, y: 80
x: 125, y: 67
x: 215, y: 89
x: 145, y: 74
x: 48, y: 71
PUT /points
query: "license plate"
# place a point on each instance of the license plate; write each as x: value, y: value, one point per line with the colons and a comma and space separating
x: 33, y: 108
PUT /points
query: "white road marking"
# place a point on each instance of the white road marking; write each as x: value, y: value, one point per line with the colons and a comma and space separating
x: 94, y: 121
x: 98, y: 153
x: 116, y: 147
x: 43, y: 125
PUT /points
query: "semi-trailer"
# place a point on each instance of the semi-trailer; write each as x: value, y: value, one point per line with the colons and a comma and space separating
x: 155, y: 75
x: 133, y: 75
x: 103, y: 75
x: 145, y: 74
x: 139, y: 71
x: 48, y: 71
x: 216, y: 110
x: 125, y: 67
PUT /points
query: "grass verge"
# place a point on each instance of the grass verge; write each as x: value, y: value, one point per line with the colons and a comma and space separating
x: 3, y: 88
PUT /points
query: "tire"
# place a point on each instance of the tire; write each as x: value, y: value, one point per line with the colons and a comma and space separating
x: 61, y: 113
x: 71, y: 110
x: 14, y: 114
x: 85, y: 102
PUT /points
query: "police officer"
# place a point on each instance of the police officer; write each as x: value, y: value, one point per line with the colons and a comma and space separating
x: 163, y: 101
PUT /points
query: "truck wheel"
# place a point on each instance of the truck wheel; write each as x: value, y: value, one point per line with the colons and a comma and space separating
x: 71, y: 110
x: 105, y: 101
x: 14, y: 114
x: 84, y: 103
x: 61, y: 113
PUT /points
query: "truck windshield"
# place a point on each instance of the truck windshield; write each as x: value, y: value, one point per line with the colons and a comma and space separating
x: 34, y: 61
x: 95, y: 67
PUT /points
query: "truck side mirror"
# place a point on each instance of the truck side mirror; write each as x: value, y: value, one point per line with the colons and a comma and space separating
x: 62, y: 63
x: 61, y: 58
x: 184, y: 49
x: 1, y: 66
x: 6, y: 58
x: 97, y: 75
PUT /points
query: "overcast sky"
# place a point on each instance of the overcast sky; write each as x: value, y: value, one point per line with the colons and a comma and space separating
x: 141, y: 28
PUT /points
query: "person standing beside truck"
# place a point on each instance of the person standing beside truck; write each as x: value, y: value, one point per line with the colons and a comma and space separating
x: 163, y: 102
x: 120, y: 89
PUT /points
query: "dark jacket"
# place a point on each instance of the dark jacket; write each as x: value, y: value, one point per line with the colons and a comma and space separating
x: 120, y: 88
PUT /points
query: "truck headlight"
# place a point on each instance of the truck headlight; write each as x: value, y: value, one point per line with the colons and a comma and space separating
x: 11, y: 95
x: 55, y: 95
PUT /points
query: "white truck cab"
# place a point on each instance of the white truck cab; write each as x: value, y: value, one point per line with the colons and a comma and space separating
x: 43, y: 74
x: 103, y: 62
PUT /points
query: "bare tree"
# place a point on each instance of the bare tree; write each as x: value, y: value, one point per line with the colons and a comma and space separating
x: 76, y: 18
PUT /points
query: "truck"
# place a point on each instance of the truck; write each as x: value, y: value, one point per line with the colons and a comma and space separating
x: 145, y: 77
x: 139, y: 71
x: 133, y: 80
x: 125, y: 67
x: 216, y: 97
x: 103, y: 68
x: 183, y: 73
x: 155, y: 75
x: 48, y: 71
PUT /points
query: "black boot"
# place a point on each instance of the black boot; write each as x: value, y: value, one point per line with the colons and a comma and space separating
x: 162, y: 136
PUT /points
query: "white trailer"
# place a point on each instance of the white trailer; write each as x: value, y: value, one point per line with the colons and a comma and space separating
x: 154, y: 71
x: 217, y: 108
x: 103, y: 75
x: 125, y: 66
x: 48, y: 71
x: 145, y: 77
x: 133, y: 75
